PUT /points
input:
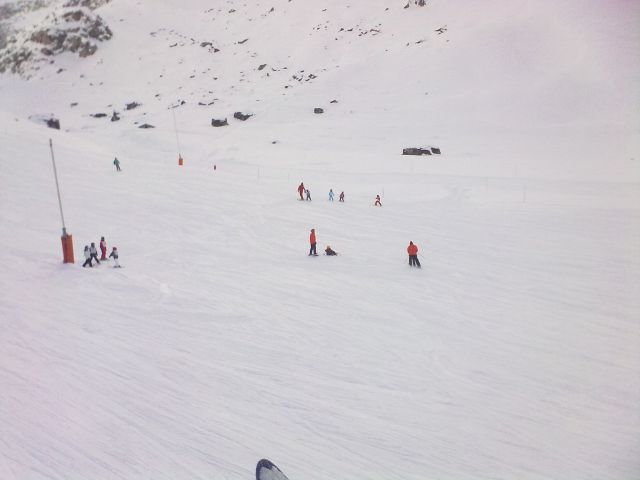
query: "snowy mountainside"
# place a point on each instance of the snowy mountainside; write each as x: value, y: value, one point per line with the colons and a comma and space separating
x: 514, y: 351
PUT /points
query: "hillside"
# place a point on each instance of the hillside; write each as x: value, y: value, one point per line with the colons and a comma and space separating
x: 513, y: 353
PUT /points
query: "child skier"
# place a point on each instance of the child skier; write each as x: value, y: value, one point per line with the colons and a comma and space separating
x: 114, y: 254
x: 312, y: 242
x: 328, y: 251
x: 341, y: 198
x: 103, y: 249
x: 94, y: 252
x: 308, y: 192
x: 87, y: 257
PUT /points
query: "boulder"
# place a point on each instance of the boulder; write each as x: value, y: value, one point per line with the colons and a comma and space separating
x: 241, y: 116
x: 219, y: 123
x: 415, y: 151
x: 53, y: 123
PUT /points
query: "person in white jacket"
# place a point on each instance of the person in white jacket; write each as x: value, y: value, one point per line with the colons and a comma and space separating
x: 93, y: 251
x: 87, y: 257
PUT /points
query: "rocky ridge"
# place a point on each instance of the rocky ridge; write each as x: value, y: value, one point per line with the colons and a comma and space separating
x: 31, y: 34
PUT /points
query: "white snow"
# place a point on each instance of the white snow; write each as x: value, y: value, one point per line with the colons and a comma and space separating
x: 513, y: 353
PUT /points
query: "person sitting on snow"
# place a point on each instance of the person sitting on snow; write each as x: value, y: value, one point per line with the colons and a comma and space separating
x: 329, y: 251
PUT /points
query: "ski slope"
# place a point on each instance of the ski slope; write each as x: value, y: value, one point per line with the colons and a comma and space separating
x: 513, y: 353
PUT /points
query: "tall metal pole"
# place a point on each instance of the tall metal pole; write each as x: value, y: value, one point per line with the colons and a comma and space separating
x: 55, y: 174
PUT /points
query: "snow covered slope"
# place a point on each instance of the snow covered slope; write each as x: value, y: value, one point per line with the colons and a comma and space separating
x: 513, y: 353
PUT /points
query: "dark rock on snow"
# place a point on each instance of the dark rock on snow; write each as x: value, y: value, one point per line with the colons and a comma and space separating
x: 318, y: 110
x: 241, y: 116
x: 131, y: 106
x: 53, y: 123
x: 219, y: 123
x: 146, y: 125
x: 115, y: 117
x: 98, y: 115
x: 420, y: 151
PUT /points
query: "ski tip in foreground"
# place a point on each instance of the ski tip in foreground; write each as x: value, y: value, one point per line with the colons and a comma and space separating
x: 266, y: 470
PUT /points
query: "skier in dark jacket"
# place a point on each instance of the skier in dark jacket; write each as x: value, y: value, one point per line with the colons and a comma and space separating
x: 308, y: 193
x: 329, y: 251
x: 378, y: 203
x: 114, y: 255
x: 116, y: 162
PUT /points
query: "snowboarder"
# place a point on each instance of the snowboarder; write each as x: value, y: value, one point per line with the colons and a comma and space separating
x: 312, y: 242
x: 329, y: 251
x: 412, y: 250
x: 308, y: 194
x: 331, y: 194
x: 114, y: 254
x: 103, y: 249
x: 116, y: 162
x: 378, y: 203
x: 341, y: 198
x: 301, y: 190
x: 94, y: 252
x: 87, y: 257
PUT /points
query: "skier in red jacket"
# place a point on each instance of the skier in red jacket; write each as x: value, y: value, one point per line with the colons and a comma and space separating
x: 301, y: 190
x: 103, y: 249
x: 312, y: 242
x: 412, y: 250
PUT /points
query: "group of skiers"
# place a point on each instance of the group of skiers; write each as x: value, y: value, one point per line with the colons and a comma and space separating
x: 91, y: 253
x: 305, y: 194
x: 412, y: 250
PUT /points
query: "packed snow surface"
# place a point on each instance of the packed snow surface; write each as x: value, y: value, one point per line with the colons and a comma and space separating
x: 514, y: 353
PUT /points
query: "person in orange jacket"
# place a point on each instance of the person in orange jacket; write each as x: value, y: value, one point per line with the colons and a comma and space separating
x: 412, y: 250
x: 312, y: 242
x: 301, y: 190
